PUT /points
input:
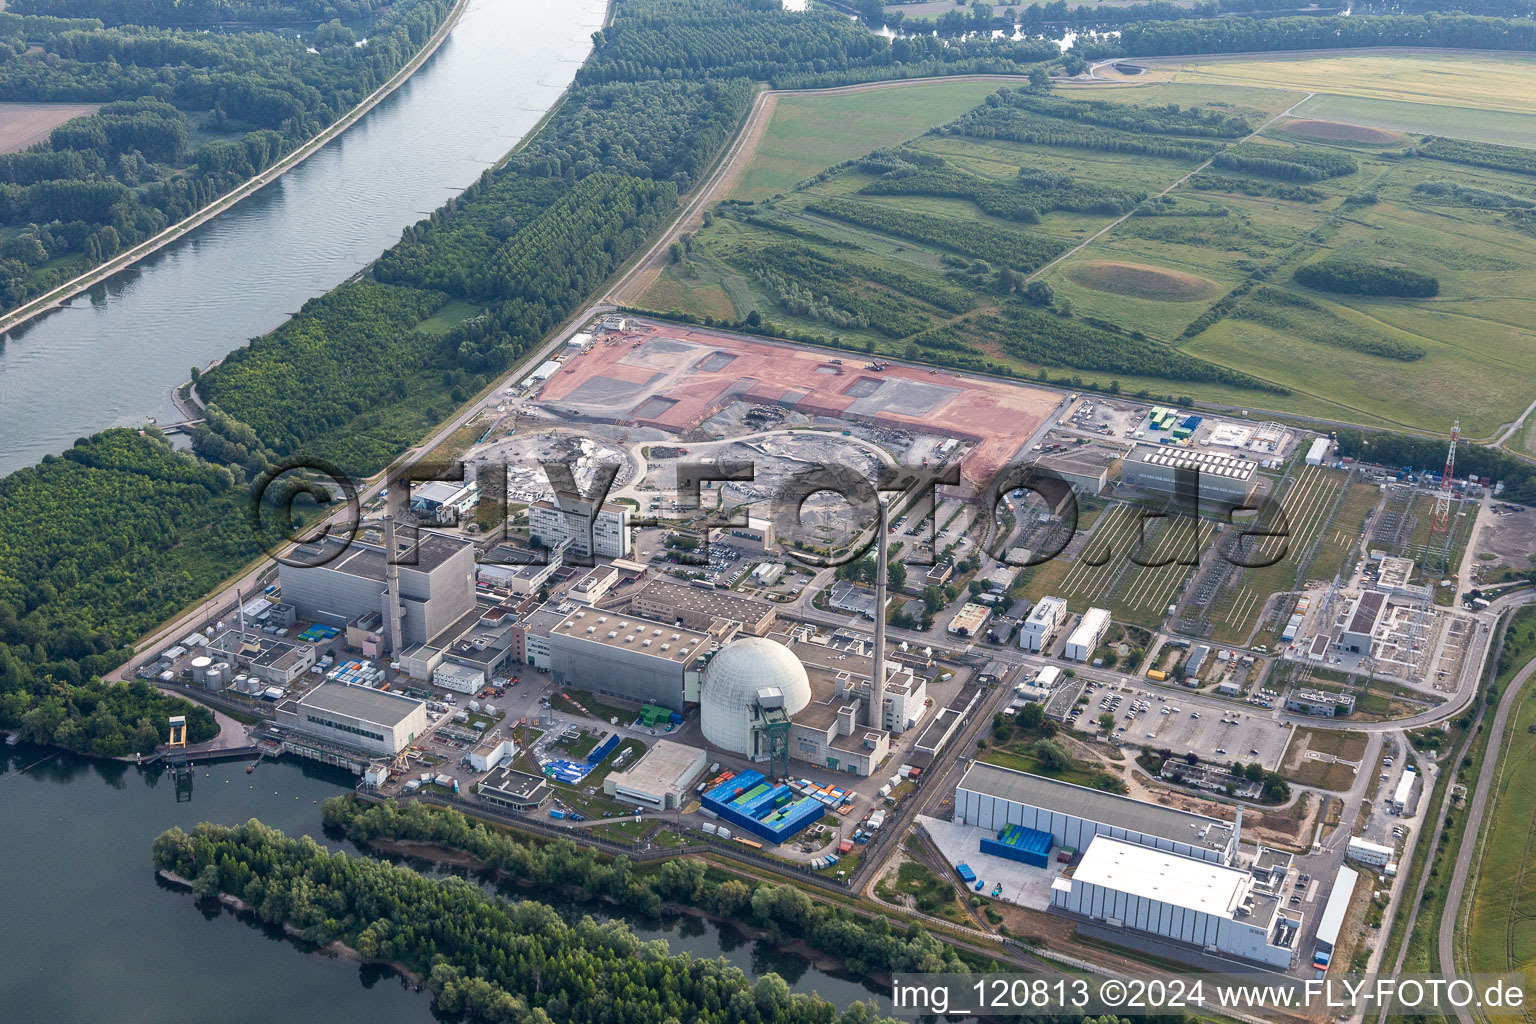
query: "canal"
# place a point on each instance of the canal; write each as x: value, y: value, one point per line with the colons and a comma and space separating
x: 94, y: 936
x: 112, y: 356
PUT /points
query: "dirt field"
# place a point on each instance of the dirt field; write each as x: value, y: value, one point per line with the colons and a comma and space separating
x: 1340, y: 131
x: 675, y: 378
x: 23, y: 124
x: 1140, y: 281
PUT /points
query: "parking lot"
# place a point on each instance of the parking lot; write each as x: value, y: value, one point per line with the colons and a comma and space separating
x: 1213, y: 730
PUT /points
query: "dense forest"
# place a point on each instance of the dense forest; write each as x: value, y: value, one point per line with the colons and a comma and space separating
x: 758, y: 39
x: 1357, y: 277
x: 1243, y: 35
x: 490, y: 960
x: 97, y: 547
x: 107, y: 181
x: 203, y: 12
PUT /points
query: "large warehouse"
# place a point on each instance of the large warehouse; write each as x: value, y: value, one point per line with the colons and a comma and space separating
x: 356, y: 717
x: 1206, y: 904
x: 1224, y: 479
x: 636, y: 659
x: 991, y: 797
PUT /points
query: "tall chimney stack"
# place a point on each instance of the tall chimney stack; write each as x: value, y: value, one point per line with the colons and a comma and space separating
x: 392, y: 586
x: 877, y: 678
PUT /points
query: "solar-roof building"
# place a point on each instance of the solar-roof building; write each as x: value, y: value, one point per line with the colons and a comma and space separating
x: 1223, y: 479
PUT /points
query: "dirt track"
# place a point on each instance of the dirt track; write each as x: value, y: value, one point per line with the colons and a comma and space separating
x: 25, y: 124
x: 728, y: 171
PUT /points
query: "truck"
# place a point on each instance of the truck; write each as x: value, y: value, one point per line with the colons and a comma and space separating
x: 555, y: 812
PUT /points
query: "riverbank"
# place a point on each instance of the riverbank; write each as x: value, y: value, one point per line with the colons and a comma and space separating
x: 335, y: 948
x: 69, y: 289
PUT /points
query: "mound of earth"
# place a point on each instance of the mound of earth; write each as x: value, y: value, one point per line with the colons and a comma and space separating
x: 1337, y: 132
x: 1141, y: 282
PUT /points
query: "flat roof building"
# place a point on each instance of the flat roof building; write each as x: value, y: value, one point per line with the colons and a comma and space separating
x: 970, y: 619
x: 514, y: 789
x: 1088, y: 470
x: 1223, y: 479
x: 1196, y: 902
x: 569, y: 520
x: 358, y: 717
x: 1402, y: 798
x: 1332, y: 921
x: 1362, y: 621
x: 637, y: 659
x: 661, y: 779
x: 699, y: 608
x: 1085, y: 639
x: 1317, y: 454
x: 990, y: 796
x: 1037, y: 632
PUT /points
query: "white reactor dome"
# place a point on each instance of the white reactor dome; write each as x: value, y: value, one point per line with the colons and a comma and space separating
x: 732, y: 682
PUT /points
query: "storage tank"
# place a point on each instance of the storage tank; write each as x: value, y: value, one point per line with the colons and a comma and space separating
x: 200, y: 666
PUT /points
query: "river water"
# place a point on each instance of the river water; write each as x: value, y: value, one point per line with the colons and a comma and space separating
x: 113, y: 355
x: 93, y: 936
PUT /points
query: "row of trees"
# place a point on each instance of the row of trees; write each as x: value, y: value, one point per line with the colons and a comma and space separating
x: 1358, y: 277
x: 1017, y: 249
x: 1030, y: 194
x: 1242, y: 35
x: 1288, y: 163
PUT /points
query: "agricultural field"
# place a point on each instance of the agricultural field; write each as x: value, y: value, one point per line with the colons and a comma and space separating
x: 25, y: 124
x: 808, y: 133
x: 1487, y: 82
x: 956, y: 246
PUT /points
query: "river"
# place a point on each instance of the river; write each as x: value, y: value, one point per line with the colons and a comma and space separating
x: 95, y: 937
x: 113, y: 355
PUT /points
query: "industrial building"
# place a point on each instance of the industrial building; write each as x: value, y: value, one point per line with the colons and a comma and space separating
x: 1088, y: 470
x: 633, y: 658
x: 1333, y: 916
x: 701, y: 607
x: 1223, y: 479
x: 521, y: 579
x: 1085, y: 639
x: 443, y: 501
x: 275, y: 662
x: 1038, y: 631
x: 1198, y: 902
x: 569, y: 521
x: 661, y: 779
x: 591, y: 587
x: 357, y: 717
x: 1317, y: 454
x: 756, y: 536
x: 342, y: 582
x: 757, y: 701
x: 1362, y: 621
x: 1194, y: 662
x: 516, y: 790
x: 991, y: 797
x: 970, y: 619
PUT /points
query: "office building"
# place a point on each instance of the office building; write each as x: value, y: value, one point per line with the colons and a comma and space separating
x: 1038, y: 631
x: 570, y: 521
x: 1085, y: 639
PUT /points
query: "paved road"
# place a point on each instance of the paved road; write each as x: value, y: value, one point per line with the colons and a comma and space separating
x: 1476, y: 808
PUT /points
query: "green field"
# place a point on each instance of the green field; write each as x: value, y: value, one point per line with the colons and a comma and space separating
x: 922, y: 248
x: 1501, y: 926
x: 1501, y: 126
x: 809, y: 133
